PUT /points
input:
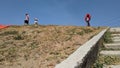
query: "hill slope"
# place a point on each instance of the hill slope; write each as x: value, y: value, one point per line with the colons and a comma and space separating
x: 40, y: 46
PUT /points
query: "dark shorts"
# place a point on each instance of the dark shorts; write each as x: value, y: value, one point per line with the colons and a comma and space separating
x: 26, y: 21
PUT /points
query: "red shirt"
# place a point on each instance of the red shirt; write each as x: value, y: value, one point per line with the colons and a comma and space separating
x: 87, y: 17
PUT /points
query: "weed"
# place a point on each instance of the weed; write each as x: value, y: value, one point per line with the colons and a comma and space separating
x: 33, y: 45
x: 9, y: 33
x: 23, y: 32
x: 49, y: 58
x: 107, y: 37
x: 87, y: 30
x: 18, y: 37
x: 107, y: 60
x: 98, y: 65
x: 111, y: 60
x: 71, y: 31
x: 68, y: 38
x: 39, y: 31
x: 58, y: 31
x: 55, y: 53
x: 80, y: 33
x: 26, y: 57
x: 2, y: 45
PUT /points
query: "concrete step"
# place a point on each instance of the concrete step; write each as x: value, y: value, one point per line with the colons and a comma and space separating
x: 111, y: 66
x: 112, y: 46
x: 115, y: 35
x: 115, y: 45
x: 116, y: 40
x: 115, y: 29
x: 110, y: 53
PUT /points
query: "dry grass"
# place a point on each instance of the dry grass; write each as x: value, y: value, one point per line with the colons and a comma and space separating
x: 40, y: 46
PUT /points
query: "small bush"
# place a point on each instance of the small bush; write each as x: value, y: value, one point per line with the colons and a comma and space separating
x: 71, y: 31
x: 18, y: 37
x: 68, y: 38
x: 98, y: 65
x: 80, y: 33
x: 86, y: 30
x: 107, y: 37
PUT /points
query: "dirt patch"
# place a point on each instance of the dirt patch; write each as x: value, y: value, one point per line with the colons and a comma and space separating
x: 41, y: 46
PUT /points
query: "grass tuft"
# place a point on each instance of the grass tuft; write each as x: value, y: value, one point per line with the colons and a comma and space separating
x: 18, y: 37
x: 107, y: 37
x: 9, y: 33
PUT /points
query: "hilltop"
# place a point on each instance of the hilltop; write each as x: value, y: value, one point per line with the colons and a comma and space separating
x: 41, y: 46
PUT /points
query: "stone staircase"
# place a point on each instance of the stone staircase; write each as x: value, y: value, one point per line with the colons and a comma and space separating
x: 112, y: 49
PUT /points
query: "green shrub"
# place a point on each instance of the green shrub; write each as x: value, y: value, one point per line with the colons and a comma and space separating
x: 18, y: 37
x: 71, y: 31
x: 80, y: 33
x: 107, y: 37
x: 87, y: 30
x: 98, y: 65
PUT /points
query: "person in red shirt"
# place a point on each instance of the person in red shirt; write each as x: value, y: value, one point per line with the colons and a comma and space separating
x: 87, y: 19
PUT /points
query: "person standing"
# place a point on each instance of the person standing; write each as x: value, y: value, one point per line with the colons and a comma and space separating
x: 26, y: 21
x: 87, y: 19
x: 36, y: 21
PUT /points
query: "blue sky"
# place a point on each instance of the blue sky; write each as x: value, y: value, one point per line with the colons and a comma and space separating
x: 61, y: 12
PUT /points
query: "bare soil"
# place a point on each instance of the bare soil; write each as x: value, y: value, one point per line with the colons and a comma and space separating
x: 41, y: 46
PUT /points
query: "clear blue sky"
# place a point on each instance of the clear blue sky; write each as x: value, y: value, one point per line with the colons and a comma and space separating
x: 61, y: 12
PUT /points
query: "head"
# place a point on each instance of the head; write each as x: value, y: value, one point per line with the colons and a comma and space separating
x: 26, y: 14
x: 88, y: 15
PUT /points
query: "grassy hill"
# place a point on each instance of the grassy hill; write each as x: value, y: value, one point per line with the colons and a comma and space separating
x: 41, y: 46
